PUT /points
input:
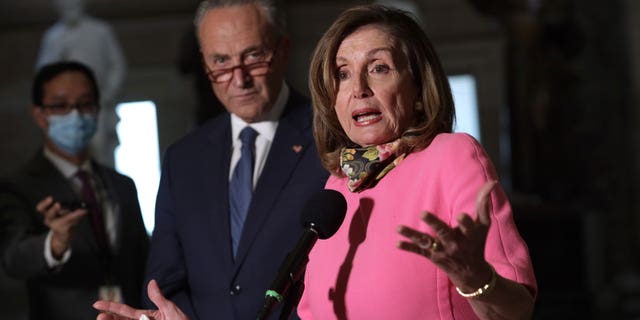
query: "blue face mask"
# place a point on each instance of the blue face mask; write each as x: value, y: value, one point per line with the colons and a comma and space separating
x: 72, y: 132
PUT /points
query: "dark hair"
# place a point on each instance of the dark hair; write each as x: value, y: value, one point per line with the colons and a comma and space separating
x: 47, y: 72
x: 434, y: 108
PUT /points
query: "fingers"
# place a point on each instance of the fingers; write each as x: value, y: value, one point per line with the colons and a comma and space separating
x: 443, y: 231
x: 420, y: 239
x: 412, y: 247
x: 55, y: 215
x: 425, y: 244
x: 413, y: 234
x: 482, y: 203
x: 155, y: 295
x: 166, y: 308
x: 455, y: 250
x: 466, y: 224
x: 63, y: 227
x: 106, y: 316
x: 74, y: 216
x: 421, y: 243
x: 116, y: 310
x: 48, y: 208
x: 44, y: 204
x: 483, y: 217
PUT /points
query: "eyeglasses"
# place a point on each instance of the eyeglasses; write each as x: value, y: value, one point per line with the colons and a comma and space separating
x: 258, y: 67
x: 64, y: 108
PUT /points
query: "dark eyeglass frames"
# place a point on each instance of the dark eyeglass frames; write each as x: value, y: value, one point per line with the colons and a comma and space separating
x: 64, y: 108
x: 260, y: 67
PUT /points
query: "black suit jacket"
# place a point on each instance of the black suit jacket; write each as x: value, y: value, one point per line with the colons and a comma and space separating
x: 67, y: 292
x: 191, y: 255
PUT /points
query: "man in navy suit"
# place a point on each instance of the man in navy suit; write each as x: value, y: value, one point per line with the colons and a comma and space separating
x: 200, y: 264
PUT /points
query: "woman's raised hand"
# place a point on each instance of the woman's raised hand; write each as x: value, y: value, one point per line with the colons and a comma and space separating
x: 459, y: 251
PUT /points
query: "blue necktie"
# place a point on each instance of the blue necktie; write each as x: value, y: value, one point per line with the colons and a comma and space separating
x: 241, y: 186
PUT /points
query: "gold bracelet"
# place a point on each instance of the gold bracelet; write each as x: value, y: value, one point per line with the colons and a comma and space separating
x: 482, y: 290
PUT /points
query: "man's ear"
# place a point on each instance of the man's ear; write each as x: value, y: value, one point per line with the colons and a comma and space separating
x: 39, y: 117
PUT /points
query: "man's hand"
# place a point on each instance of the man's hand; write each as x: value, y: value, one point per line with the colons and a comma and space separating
x: 61, y: 221
x: 167, y: 310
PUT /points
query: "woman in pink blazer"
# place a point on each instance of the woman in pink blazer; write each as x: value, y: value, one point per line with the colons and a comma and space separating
x: 429, y: 233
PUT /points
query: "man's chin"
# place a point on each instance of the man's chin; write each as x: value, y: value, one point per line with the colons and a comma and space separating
x: 248, y: 113
x: 249, y: 109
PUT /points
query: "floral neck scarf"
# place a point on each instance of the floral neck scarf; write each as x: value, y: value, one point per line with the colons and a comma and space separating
x: 366, y: 166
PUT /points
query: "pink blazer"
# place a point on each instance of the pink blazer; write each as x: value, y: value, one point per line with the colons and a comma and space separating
x: 360, y: 274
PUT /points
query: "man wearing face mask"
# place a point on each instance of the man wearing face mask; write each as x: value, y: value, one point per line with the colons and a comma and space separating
x: 70, y: 227
x: 81, y: 37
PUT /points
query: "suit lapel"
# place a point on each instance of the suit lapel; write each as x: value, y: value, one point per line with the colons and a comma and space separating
x: 289, y: 144
x: 217, y: 158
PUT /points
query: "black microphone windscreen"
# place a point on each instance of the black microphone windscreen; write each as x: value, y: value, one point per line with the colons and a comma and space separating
x: 324, y: 212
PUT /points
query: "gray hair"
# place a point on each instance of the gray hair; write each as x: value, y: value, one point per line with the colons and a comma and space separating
x: 274, y: 16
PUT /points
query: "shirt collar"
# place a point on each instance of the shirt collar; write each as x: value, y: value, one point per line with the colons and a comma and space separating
x: 65, y: 167
x: 266, y: 128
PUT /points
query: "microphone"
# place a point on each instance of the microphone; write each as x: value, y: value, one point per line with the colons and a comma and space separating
x: 321, y: 217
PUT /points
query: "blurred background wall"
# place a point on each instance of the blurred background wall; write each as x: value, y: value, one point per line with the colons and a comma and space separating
x: 557, y: 85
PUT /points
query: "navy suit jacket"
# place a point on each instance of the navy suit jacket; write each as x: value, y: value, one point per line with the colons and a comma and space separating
x: 191, y: 255
x: 67, y: 292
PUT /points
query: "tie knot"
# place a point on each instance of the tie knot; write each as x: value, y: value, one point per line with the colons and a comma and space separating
x: 248, y: 135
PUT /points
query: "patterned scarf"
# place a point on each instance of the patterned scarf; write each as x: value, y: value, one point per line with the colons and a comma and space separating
x: 366, y: 166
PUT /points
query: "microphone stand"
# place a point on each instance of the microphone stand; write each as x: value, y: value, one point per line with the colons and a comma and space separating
x: 324, y: 214
x: 291, y: 302
x: 289, y: 280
